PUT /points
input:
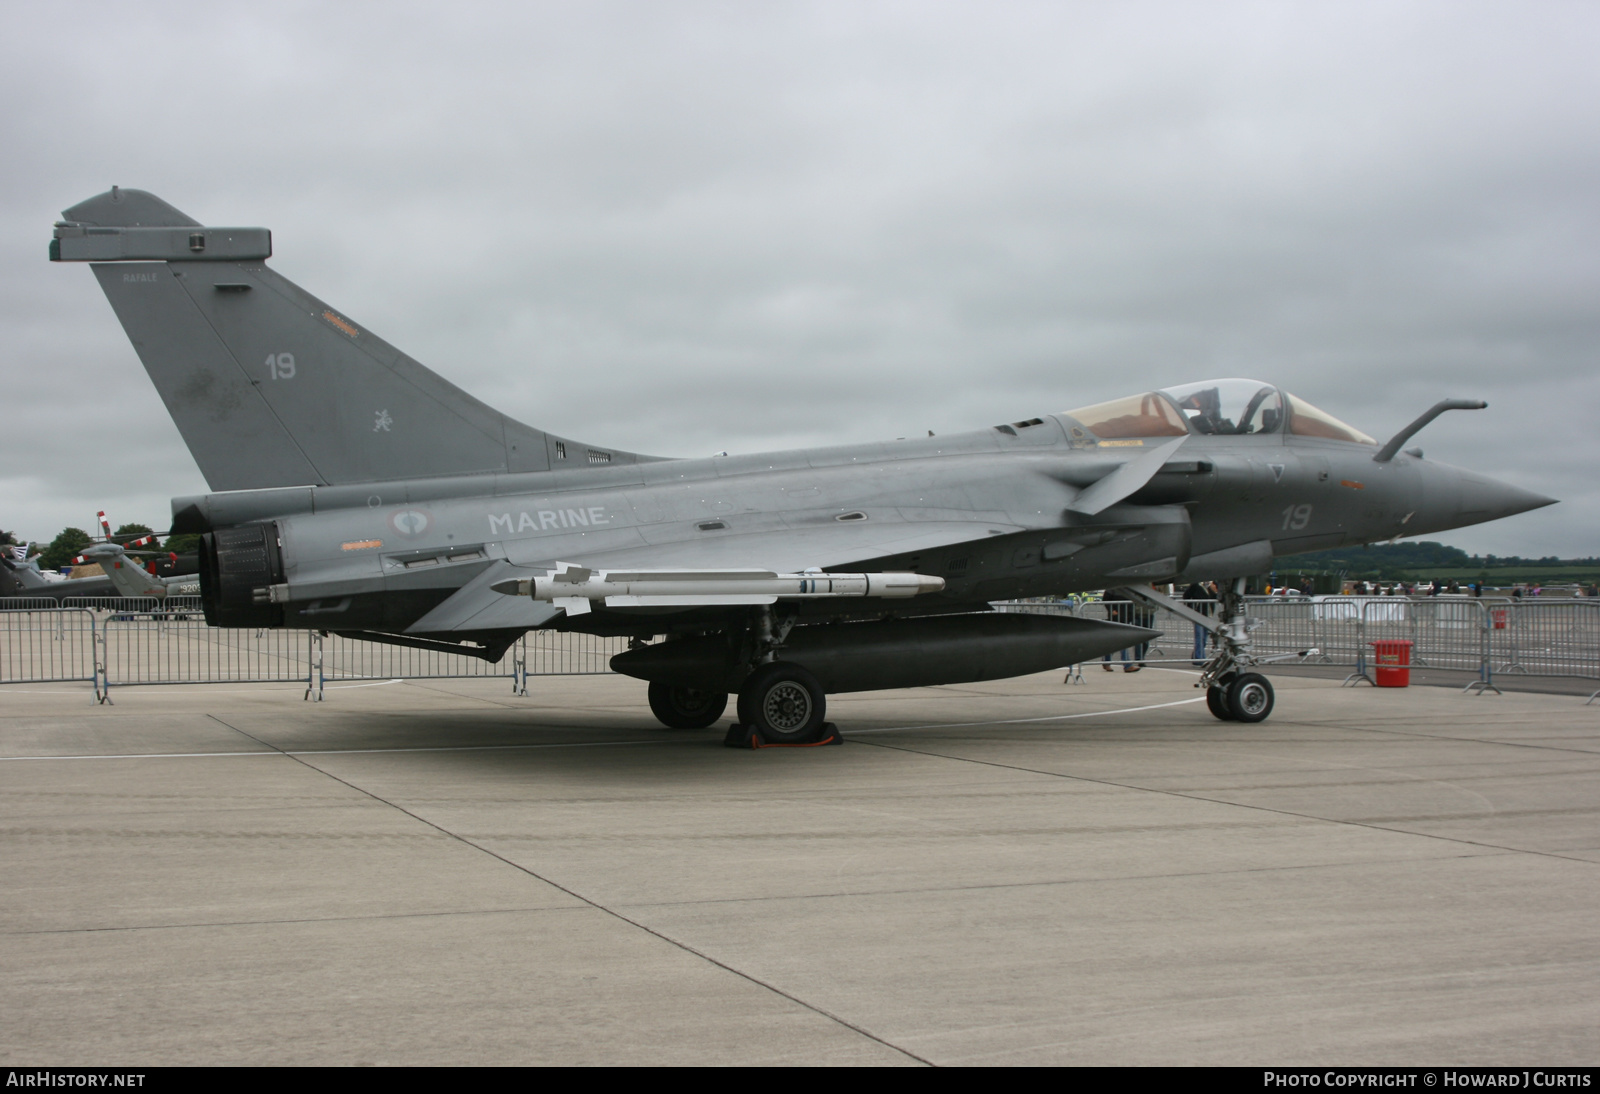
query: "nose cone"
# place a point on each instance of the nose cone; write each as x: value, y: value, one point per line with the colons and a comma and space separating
x: 1483, y: 498
x: 1454, y: 498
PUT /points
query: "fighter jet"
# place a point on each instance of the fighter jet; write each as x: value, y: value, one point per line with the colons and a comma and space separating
x: 357, y: 492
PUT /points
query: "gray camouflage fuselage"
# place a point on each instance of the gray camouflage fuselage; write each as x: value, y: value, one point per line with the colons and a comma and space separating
x: 985, y: 510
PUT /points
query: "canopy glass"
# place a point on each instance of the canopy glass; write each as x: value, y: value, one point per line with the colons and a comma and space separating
x: 1230, y: 408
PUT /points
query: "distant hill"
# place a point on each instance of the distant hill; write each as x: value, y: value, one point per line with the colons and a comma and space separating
x: 1427, y: 559
x: 1409, y: 556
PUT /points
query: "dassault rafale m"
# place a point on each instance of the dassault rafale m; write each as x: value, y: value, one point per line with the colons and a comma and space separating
x: 356, y: 492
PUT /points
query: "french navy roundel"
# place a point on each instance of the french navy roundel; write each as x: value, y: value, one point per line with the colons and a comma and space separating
x: 411, y: 522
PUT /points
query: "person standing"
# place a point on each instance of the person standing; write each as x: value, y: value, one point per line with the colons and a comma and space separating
x: 1202, y: 600
x: 1119, y: 609
x: 1144, y: 615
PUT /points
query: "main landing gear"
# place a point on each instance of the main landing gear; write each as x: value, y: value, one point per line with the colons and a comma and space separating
x: 783, y: 703
x: 780, y: 703
x: 686, y: 708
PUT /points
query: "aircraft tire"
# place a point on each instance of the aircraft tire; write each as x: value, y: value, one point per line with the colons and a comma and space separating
x: 1250, y: 697
x: 686, y: 708
x: 784, y: 703
x: 1217, y: 702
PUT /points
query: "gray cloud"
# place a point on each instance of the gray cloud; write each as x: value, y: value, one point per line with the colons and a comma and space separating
x: 688, y: 228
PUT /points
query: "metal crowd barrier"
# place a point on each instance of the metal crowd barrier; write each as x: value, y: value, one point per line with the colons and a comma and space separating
x: 146, y: 649
x: 1547, y: 638
x: 132, y: 604
x: 1481, y: 635
x: 1283, y: 626
x: 537, y: 653
x: 121, y: 641
x: 117, y: 641
x: 49, y: 645
x: 353, y: 659
x: 552, y: 653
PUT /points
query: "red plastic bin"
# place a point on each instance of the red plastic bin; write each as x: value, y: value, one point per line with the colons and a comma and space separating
x: 1392, y: 661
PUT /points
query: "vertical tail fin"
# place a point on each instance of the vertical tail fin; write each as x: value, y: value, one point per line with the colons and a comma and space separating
x: 127, y: 576
x: 268, y: 385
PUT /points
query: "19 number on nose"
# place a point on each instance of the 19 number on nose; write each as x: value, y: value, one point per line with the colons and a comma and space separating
x: 1296, y: 517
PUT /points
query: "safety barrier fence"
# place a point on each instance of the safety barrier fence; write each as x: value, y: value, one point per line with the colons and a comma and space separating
x: 136, y: 640
x: 1551, y: 638
x: 144, y: 641
x: 48, y: 645
x: 1480, y: 635
x: 145, y: 650
x: 133, y: 605
x: 18, y: 603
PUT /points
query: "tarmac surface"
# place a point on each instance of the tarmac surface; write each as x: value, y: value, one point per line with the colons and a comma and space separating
x: 1021, y: 872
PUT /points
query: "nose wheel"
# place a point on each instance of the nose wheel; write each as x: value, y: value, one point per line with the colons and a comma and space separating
x: 1245, y: 697
x: 1250, y: 697
x: 1217, y: 702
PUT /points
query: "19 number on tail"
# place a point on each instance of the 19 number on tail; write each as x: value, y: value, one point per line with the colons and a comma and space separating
x: 281, y: 365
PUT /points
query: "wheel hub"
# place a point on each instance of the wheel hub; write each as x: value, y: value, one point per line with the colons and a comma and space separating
x: 692, y: 701
x: 1252, y: 698
x: 787, y: 707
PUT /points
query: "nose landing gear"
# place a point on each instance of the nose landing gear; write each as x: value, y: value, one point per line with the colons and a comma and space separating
x: 1232, y: 695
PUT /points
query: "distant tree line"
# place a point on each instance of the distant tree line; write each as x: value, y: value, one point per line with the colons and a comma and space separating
x: 70, y: 542
x: 1398, y: 558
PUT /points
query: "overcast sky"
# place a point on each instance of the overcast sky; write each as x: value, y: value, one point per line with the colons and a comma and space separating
x: 684, y: 228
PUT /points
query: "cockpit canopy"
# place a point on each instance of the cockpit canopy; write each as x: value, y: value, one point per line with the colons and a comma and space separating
x: 1230, y: 408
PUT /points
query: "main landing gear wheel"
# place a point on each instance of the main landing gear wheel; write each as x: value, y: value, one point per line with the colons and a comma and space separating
x: 1250, y: 697
x: 784, y: 703
x: 686, y: 708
